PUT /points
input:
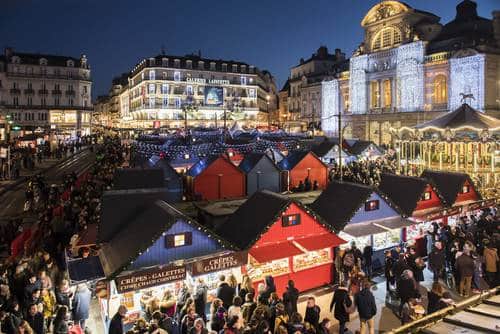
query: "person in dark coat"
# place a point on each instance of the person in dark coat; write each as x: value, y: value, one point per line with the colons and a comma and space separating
x: 116, y: 323
x: 290, y: 297
x: 437, y: 261
x: 400, y: 265
x: 406, y: 288
x: 313, y: 312
x: 367, y: 308
x: 200, y: 298
x: 434, y: 296
x: 35, y: 320
x: 367, y: 261
x: 465, y: 268
x: 389, y: 270
x: 225, y: 292
x: 341, y: 300
x: 32, y: 285
x: 269, y: 288
x: 81, y: 304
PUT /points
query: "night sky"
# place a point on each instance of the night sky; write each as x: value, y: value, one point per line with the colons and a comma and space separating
x: 116, y: 34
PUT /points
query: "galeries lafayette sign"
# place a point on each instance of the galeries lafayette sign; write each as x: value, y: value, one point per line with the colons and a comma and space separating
x: 147, y: 278
x: 219, y: 263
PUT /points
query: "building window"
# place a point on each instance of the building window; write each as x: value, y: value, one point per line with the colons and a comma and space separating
x: 56, y: 101
x: 189, y: 90
x: 165, y: 101
x: 164, y: 62
x: 43, y: 101
x: 386, y: 38
x: 164, y: 88
x: 212, y: 66
x: 177, y: 63
x: 151, y: 88
x: 30, y: 85
x: 85, y: 89
x: 440, y: 93
x: 178, y: 240
x: 30, y: 101
x: 235, y: 68
x: 387, y: 93
x: 374, y: 94
x: 426, y: 196
x: 151, y: 102
x: 224, y: 67
x: 189, y: 64
x: 151, y: 75
x: 243, y: 80
x: 177, y: 76
x: 15, y: 100
x: 177, y: 102
x: 251, y: 93
x: 465, y: 189
x: 372, y: 205
x: 290, y: 220
x: 201, y: 65
x: 71, y: 102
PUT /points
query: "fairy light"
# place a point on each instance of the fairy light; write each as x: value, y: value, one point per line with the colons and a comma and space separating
x: 410, y: 76
x: 467, y: 77
x: 358, y: 84
x: 330, y: 106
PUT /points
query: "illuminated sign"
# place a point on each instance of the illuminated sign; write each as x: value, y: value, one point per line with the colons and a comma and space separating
x: 214, y: 96
x: 219, y: 263
x: 211, y: 81
x: 148, y: 278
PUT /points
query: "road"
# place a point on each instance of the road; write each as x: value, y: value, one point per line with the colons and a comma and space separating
x: 12, y: 202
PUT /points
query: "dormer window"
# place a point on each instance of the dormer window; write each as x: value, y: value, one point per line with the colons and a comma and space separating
x: 251, y: 69
x: 16, y: 60
x: 201, y: 65
x: 189, y: 64
x: 426, y: 196
x: 224, y: 67
x: 164, y: 62
x: 151, y: 62
x: 465, y: 189
x: 70, y: 63
x: 243, y: 68
x: 235, y: 68
x: 177, y: 63
x: 43, y: 62
x: 212, y: 66
x: 152, y: 75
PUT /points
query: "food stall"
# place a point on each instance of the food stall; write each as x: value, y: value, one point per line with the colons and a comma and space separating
x: 284, y: 240
x: 365, y: 216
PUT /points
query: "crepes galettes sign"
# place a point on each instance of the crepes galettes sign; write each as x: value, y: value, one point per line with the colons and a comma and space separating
x: 219, y: 263
x: 151, y: 277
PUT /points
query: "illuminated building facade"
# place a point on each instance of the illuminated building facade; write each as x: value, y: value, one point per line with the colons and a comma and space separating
x: 410, y: 69
x: 162, y: 91
x: 45, y: 93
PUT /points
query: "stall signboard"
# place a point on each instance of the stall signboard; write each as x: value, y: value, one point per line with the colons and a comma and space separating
x: 151, y: 277
x: 444, y: 213
x: 219, y: 263
x: 481, y: 205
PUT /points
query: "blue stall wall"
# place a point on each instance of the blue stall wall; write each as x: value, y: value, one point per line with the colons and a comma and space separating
x: 384, y: 211
x: 159, y: 255
x: 269, y: 179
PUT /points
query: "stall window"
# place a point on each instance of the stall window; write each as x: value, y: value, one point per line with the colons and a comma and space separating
x: 465, y: 189
x: 426, y: 196
x: 290, y: 220
x: 372, y: 205
x: 178, y: 240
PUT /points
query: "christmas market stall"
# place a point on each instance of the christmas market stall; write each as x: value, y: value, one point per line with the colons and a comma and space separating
x: 302, y: 166
x: 261, y: 173
x: 363, y: 149
x: 157, y: 252
x: 284, y: 239
x: 172, y: 181
x: 365, y: 215
x: 328, y: 152
x: 215, y: 178
x: 418, y: 199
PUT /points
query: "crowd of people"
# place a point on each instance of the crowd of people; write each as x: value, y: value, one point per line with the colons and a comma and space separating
x: 35, y: 292
x: 364, y: 171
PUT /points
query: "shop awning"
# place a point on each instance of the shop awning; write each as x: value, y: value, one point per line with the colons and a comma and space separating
x: 394, y: 223
x: 84, y: 270
x: 274, y: 252
x: 362, y: 229
x: 320, y: 241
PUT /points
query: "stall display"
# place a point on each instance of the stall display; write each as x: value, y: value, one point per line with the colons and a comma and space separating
x: 360, y: 242
x: 257, y: 271
x: 212, y: 280
x: 312, y: 259
x: 387, y: 239
x: 417, y: 231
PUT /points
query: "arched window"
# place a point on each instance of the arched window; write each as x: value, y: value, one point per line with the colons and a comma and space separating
x: 440, y: 93
x: 386, y: 38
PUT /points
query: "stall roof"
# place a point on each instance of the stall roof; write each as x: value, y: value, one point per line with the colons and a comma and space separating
x: 405, y: 191
x: 137, y: 178
x: 463, y: 117
x: 293, y: 159
x: 339, y: 201
x: 251, y: 160
x: 136, y: 236
x: 449, y: 183
x: 85, y: 269
x: 359, y: 146
x: 324, y: 147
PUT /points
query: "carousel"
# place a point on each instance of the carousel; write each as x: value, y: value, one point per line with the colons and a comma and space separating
x: 464, y: 140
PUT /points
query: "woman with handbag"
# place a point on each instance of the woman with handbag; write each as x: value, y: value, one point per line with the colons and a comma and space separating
x: 343, y: 306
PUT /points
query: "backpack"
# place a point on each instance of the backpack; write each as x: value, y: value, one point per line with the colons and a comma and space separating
x: 348, y: 260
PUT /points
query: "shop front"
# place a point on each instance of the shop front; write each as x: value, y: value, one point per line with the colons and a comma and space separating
x: 284, y: 240
x: 364, y: 215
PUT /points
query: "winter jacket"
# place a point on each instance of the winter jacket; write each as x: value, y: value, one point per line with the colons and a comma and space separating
x: 465, y: 266
x: 49, y: 305
x: 340, y: 301
x: 491, y: 259
x: 226, y: 294
x: 312, y: 315
x: 290, y: 297
x: 36, y: 323
x: 60, y: 327
x: 433, y: 300
x: 247, y: 310
x: 116, y: 324
x: 406, y: 288
x: 436, y: 259
x: 81, y: 304
x: 365, y: 302
x: 200, y: 300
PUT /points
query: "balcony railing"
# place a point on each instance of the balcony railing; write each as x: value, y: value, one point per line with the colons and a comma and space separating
x: 29, y: 91
x: 70, y: 93
x: 43, y: 92
x: 49, y: 76
x: 56, y: 92
x: 15, y: 91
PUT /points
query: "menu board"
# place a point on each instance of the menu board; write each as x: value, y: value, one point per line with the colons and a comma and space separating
x: 417, y: 230
x: 361, y: 242
x: 386, y: 239
x: 257, y: 271
x: 312, y: 259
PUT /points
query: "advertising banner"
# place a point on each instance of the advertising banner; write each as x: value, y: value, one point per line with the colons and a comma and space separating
x: 214, y: 96
x: 219, y: 263
x: 151, y: 277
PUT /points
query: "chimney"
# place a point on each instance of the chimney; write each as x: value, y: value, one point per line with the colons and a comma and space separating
x: 8, y: 52
x: 496, y: 26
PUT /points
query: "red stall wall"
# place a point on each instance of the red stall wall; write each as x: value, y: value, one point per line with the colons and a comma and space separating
x: 305, y: 279
x: 213, y: 186
x: 470, y: 196
x: 318, y: 172
x: 434, y: 202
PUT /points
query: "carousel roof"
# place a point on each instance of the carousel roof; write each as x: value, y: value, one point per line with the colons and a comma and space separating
x: 463, y: 117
